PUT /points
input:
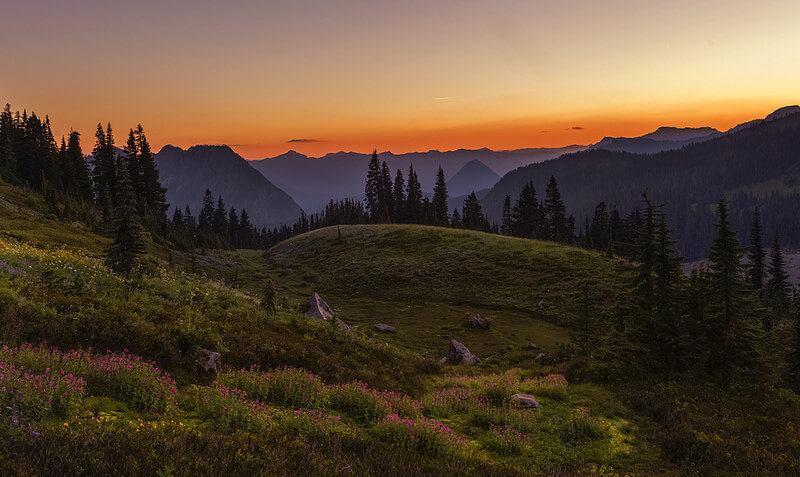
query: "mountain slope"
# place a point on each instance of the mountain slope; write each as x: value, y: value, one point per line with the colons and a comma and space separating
x: 188, y: 173
x: 313, y: 181
x: 757, y: 165
x: 662, y: 139
x: 474, y: 176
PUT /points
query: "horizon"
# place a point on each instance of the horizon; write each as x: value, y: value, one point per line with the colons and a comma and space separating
x: 436, y: 77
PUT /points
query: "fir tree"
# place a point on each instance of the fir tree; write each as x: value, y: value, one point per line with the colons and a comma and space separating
x: 414, y: 211
x: 386, y: 198
x: 206, y: 218
x: 755, y: 255
x: 372, y: 189
x: 155, y: 196
x: 104, y: 172
x: 128, y: 241
x: 220, y: 222
x: 526, y: 218
x: 399, y: 197
x: 505, y: 228
x: 455, y: 220
x: 472, y: 216
x: 83, y: 182
x: 555, y: 214
x: 440, y: 199
x: 778, y: 288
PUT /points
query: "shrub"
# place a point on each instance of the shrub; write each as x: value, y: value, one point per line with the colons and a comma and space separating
x: 426, y: 436
x: 37, y: 395
x: 507, y: 441
x: 449, y: 401
x: 581, y: 425
x: 290, y: 387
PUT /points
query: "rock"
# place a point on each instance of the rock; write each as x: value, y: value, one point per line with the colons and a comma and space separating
x: 532, y: 346
x: 77, y: 224
x: 525, y: 400
x: 478, y: 322
x: 317, y: 308
x: 343, y: 326
x: 443, y: 360
x: 457, y: 353
x: 210, y: 360
x: 539, y: 357
x: 384, y: 328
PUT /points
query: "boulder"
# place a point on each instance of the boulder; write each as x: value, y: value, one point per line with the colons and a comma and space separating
x: 457, y: 353
x: 525, y: 400
x: 343, y: 326
x: 384, y: 328
x: 478, y: 322
x: 532, y: 346
x: 317, y: 308
x: 210, y: 360
x: 539, y: 357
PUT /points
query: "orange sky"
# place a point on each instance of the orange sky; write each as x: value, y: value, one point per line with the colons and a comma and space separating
x: 401, y: 76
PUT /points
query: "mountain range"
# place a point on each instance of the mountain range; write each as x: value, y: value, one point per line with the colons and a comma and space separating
x: 754, y: 164
x: 188, y: 173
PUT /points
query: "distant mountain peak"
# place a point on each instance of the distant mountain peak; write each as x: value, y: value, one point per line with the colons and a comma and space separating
x: 783, y: 112
x: 670, y: 133
x: 473, y: 176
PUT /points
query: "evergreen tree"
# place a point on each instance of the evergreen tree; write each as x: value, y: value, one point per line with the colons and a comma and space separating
x: 555, y: 214
x: 505, y: 228
x: 372, y: 189
x: 455, y: 220
x: 189, y: 221
x: 206, y: 219
x: 472, y: 216
x: 386, y: 200
x: 220, y: 223
x: 268, y: 299
x: 600, y: 229
x: 131, y: 158
x: 155, y: 196
x: 441, y: 217
x: 128, y: 241
x: 104, y: 174
x: 755, y: 255
x: 399, y: 197
x: 526, y: 218
x: 82, y: 187
x: 414, y: 210
x: 778, y: 288
x: 233, y: 226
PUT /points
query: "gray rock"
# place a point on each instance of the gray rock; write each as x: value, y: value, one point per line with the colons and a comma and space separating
x: 317, y: 308
x: 210, y: 360
x: 539, y: 357
x: 532, y: 346
x: 525, y: 400
x: 443, y: 360
x: 384, y: 328
x: 457, y: 353
x: 343, y: 326
x: 478, y: 322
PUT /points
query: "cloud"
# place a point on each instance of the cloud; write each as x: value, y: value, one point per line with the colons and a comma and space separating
x: 575, y: 128
x: 290, y: 141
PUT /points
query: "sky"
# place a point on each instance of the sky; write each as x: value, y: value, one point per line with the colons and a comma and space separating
x: 320, y: 76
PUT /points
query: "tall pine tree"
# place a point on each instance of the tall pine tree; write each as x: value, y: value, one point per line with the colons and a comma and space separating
x: 128, y: 238
x: 755, y: 255
x: 440, y: 199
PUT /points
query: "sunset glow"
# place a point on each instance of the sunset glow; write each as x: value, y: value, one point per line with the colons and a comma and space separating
x: 266, y: 77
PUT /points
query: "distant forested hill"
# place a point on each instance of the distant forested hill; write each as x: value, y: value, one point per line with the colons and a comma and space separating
x: 757, y: 165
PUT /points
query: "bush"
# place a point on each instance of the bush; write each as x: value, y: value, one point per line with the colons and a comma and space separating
x: 506, y: 441
x: 37, y: 395
x: 426, y: 436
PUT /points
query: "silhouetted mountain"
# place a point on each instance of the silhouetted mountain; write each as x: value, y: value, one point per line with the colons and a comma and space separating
x: 313, y: 181
x: 474, y: 176
x: 756, y: 165
x: 662, y: 139
x: 188, y: 173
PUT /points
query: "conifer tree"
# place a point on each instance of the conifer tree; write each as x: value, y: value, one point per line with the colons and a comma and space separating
x: 506, y: 221
x: 220, y: 224
x: 83, y: 183
x: 206, y: 218
x: 189, y: 221
x: 155, y: 196
x: 778, y: 288
x: 399, y: 197
x: 386, y: 199
x: 372, y: 189
x: 128, y: 241
x: 440, y: 199
x: 555, y: 214
x: 414, y: 210
x: 131, y: 157
x: 472, y: 216
x: 104, y: 173
x: 268, y: 299
x: 755, y: 255
x: 526, y: 218
x: 233, y: 226
x: 601, y: 228
x: 455, y: 220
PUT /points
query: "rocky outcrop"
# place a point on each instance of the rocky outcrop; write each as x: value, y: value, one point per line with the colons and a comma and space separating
x: 457, y: 353
x: 343, y: 326
x: 539, y: 357
x: 525, y: 400
x: 317, y: 308
x: 478, y: 322
x: 384, y: 328
x: 210, y: 360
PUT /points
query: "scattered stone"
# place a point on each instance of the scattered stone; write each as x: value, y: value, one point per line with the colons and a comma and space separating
x: 478, y: 322
x: 247, y: 293
x: 525, y: 400
x: 77, y: 224
x: 443, y: 360
x: 539, y: 357
x: 532, y: 346
x: 457, y: 353
x: 343, y: 326
x: 317, y: 308
x: 384, y: 328
x: 210, y: 360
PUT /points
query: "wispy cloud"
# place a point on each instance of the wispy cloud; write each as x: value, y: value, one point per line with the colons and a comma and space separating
x: 444, y: 98
x: 575, y: 128
x: 290, y: 141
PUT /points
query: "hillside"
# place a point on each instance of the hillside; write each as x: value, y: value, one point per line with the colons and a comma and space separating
x: 756, y: 165
x: 313, y: 181
x: 188, y: 173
